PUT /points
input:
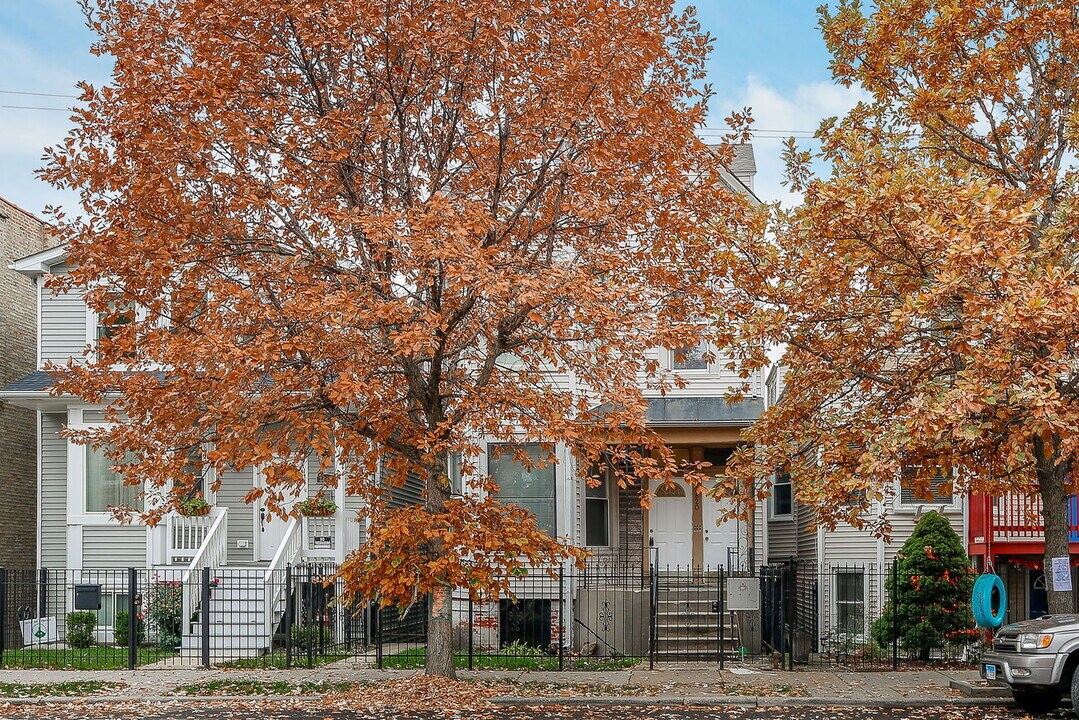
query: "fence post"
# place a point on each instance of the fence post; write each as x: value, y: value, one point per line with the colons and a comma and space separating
x: 561, y: 618
x: 470, y: 629
x: 895, y: 613
x: 132, y: 618
x: 721, y: 609
x: 3, y: 612
x: 790, y: 602
x: 42, y: 592
x: 310, y: 606
x: 288, y: 616
x: 653, y: 602
x: 378, y: 634
x: 204, y: 616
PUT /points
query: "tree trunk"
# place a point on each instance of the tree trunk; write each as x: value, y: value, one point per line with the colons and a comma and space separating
x: 1051, y: 487
x: 440, y: 602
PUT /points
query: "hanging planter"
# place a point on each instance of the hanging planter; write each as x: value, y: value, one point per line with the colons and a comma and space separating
x: 317, y: 507
x: 194, y: 507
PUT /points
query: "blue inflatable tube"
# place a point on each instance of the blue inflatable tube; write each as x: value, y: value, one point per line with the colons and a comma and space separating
x: 989, y: 601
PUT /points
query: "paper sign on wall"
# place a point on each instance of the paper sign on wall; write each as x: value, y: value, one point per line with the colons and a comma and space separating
x: 1062, y: 574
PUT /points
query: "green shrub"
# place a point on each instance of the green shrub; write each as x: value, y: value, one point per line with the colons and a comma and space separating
x: 934, y: 589
x: 304, y: 635
x: 120, y: 630
x: 165, y: 612
x: 80, y: 628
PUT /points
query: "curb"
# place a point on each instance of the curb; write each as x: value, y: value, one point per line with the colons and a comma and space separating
x: 553, y: 701
x: 114, y: 699
x: 980, y: 691
x: 743, y: 701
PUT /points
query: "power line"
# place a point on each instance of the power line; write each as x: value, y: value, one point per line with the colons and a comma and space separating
x: 36, y: 94
x: 34, y: 107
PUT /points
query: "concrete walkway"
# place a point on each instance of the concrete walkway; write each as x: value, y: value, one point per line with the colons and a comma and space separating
x: 682, y: 681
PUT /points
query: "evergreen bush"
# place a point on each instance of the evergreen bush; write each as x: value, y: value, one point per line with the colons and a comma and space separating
x: 934, y: 588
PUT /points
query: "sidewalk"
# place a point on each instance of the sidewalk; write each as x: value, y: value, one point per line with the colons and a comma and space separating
x: 680, y: 684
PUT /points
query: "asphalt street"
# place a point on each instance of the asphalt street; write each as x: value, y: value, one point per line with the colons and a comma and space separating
x: 277, y: 711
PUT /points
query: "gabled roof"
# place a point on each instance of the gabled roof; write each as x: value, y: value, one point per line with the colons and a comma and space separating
x: 739, y: 174
x: 40, y: 262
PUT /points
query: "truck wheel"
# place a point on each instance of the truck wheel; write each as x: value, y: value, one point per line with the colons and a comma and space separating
x: 1039, y: 702
x: 1075, y: 691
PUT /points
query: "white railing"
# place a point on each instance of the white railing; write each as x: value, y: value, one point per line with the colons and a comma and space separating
x: 274, y: 583
x: 352, y: 535
x: 320, y: 536
x: 185, y: 536
x: 212, y: 553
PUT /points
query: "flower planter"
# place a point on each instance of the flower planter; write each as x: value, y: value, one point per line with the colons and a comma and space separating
x: 195, y: 512
x: 318, y: 512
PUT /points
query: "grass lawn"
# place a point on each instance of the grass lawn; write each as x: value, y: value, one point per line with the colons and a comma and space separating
x: 277, y: 660
x: 99, y: 657
x: 508, y: 661
x: 262, y: 687
x: 78, y: 688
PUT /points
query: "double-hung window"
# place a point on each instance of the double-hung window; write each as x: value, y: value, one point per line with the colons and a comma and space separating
x: 850, y: 601
x: 528, y: 481
x: 105, y: 488
x: 597, y: 514
x: 782, y: 494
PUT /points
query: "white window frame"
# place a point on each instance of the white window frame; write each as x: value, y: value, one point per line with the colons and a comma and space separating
x: 918, y: 504
x: 705, y: 347
x: 92, y: 324
x: 772, y: 514
x: 553, y: 468
x: 76, y: 475
x: 836, y: 602
x: 605, y: 483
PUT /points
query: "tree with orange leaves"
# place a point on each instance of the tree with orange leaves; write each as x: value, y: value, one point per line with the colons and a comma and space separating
x: 926, y: 291
x: 385, y: 232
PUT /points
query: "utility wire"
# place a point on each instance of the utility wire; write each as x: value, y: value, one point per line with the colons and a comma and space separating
x: 33, y: 107
x: 36, y: 94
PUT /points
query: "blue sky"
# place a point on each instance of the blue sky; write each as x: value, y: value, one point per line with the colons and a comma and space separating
x: 768, y: 56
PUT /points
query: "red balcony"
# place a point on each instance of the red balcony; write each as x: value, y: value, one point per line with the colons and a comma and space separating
x: 1012, y: 525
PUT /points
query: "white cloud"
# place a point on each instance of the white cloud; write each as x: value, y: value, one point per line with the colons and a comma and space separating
x: 799, y: 111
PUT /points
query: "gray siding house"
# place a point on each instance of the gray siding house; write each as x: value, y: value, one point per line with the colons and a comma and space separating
x: 680, y: 533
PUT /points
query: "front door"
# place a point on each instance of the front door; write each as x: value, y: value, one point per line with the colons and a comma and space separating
x: 720, y: 540
x: 269, y: 527
x: 670, y: 524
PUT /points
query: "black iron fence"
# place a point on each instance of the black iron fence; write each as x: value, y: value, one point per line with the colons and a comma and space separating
x: 865, y: 616
x: 134, y: 617
x: 612, y: 614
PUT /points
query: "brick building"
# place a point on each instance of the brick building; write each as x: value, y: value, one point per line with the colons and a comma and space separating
x: 20, y: 234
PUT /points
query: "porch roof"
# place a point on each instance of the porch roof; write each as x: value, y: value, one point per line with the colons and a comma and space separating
x: 36, y: 382
x: 703, y: 412
x: 699, y: 412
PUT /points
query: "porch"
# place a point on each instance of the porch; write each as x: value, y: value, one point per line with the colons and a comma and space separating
x: 1012, y: 524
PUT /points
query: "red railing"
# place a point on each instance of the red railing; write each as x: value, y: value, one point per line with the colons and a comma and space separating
x: 1013, y: 518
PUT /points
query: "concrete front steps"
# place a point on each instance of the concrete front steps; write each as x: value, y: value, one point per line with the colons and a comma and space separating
x: 237, y: 618
x: 688, y: 630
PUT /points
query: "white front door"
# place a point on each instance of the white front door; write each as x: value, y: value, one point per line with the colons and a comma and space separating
x: 269, y: 527
x: 670, y: 524
x: 720, y: 541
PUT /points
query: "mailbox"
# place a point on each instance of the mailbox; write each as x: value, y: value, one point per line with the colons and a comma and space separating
x: 87, y: 597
